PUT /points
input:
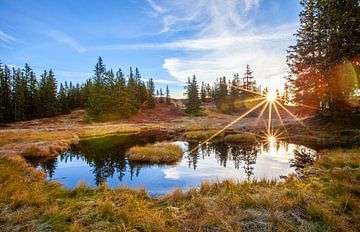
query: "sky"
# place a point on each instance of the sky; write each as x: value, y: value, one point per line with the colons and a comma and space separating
x: 167, y: 40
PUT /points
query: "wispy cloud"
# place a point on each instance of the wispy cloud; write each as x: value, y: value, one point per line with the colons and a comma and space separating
x: 225, y: 40
x: 155, y: 7
x: 73, y: 74
x: 7, y: 38
x: 63, y: 38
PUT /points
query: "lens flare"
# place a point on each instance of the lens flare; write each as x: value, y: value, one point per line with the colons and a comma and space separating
x: 268, y: 102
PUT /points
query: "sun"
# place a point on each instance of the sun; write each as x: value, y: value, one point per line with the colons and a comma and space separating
x: 271, y: 96
x: 271, y: 139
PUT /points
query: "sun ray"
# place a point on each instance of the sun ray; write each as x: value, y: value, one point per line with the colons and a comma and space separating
x: 247, y: 90
x: 261, y: 113
x: 281, y: 121
x: 291, y: 114
x: 269, y: 122
x: 226, y: 127
x: 251, y: 100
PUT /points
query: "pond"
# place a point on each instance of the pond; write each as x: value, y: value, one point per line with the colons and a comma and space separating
x: 100, y: 160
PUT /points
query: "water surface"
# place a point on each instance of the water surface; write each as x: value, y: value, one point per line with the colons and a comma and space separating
x: 103, y: 160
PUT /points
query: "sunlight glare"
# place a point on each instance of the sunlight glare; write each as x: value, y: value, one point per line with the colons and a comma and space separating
x: 271, y: 140
x: 271, y: 96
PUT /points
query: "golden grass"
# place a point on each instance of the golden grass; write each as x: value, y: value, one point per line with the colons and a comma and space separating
x: 240, y: 138
x: 326, y: 199
x: 160, y: 153
x: 26, y: 136
x: 102, y: 130
x: 200, y: 135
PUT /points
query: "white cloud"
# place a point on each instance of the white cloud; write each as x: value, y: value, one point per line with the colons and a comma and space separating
x: 65, y: 39
x: 156, y: 7
x: 73, y: 74
x: 226, y: 41
x: 7, y: 38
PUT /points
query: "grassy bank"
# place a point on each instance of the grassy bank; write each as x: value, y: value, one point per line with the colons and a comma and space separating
x: 326, y: 199
x: 240, y: 138
x: 160, y: 153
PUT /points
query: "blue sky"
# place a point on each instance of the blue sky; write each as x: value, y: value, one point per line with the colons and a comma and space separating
x: 166, y: 40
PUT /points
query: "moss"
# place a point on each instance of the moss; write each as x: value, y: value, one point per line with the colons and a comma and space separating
x: 156, y: 153
x: 240, y: 138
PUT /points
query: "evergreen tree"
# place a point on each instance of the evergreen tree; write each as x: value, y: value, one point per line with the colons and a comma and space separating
x: 167, y: 100
x: 123, y: 105
x: 63, y: 100
x: 328, y: 36
x: 33, y: 101
x: 97, y: 100
x: 151, y: 94
x: 5, y: 95
x: 19, y: 97
x: 161, y: 99
x: 193, y: 104
x: 203, y: 92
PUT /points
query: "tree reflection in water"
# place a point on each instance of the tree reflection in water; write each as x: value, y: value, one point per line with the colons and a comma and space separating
x: 242, y: 155
x: 106, y: 156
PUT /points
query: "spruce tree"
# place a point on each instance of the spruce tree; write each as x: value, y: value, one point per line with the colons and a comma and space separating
x: 193, y: 103
x: 168, y: 99
x: 97, y: 100
x: 161, y: 99
x: 6, y: 108
x: 19, y: 97
x: 151, y: 94
x: 63, y: 100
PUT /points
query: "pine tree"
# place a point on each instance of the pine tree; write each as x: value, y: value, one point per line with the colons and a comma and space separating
x: 133, y: 92
x: 151, y: 94
x: 19, y: 98
x: 168, y: 99
x: 97, y: 100
x: 193, y: 104
x: 161, y: 98
x: 123, y: 105
x: 63, y: 100
x: 6, y: 108
x: 203, y: 92
x: 328, y: 36
x: 33, y: 101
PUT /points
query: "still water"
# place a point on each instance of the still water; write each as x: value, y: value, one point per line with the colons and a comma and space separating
x: 98, y: 160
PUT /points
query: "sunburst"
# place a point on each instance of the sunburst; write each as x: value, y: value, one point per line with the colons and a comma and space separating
x: 269, y: 102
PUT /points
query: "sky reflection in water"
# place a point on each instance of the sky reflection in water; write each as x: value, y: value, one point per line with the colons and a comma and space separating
x: 97, y: 160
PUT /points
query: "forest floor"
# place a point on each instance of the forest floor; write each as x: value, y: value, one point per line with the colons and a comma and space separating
x: 326, y: 197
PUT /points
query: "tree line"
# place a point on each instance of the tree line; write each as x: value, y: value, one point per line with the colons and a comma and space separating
x: 324, y: 63
x: 229, y: 95
x: 106, y: 95
x: 24, y: 97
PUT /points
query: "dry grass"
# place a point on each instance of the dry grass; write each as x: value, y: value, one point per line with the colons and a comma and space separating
x: 27, y: 136
x: 160, y: 153
x: 103, y: 130
x: 240, y: 138
x: 200, y: 135
x: 326, y: 199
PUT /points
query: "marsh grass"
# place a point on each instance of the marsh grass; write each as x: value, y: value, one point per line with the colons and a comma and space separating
x: 327, y: 198
x: 201, y: 135
x: 240, y: 138
x: 160, y: 153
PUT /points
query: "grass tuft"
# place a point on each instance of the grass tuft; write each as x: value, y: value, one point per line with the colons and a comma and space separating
x: 240, y: 138
x: 160, y: 153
